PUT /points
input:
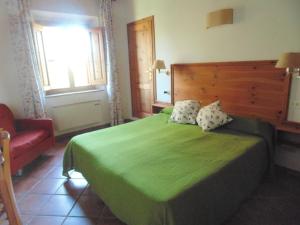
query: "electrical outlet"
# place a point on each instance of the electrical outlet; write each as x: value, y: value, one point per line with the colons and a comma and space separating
x: 296, y: 104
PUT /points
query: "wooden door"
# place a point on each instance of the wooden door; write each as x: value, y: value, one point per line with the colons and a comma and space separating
x: 141, y: 46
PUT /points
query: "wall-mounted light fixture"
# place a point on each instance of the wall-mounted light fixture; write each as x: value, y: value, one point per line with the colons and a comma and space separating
x: 290, y: 61
x: 160, y: 65
x: 219, y: 17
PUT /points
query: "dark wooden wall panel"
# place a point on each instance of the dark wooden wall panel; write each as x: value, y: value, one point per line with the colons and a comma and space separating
x: 252, y: 88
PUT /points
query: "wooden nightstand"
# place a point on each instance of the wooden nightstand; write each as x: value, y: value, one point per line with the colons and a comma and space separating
x: 288, y: 149
x: 158, y: 106
x: 289, y: 127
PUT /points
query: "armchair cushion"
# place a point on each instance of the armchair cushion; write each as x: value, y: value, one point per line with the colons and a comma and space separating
x: 25, y: 140
x: 7, y: 120
x: 34, y: 124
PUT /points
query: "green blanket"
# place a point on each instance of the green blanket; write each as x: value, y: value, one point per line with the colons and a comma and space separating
x: 151, y: 172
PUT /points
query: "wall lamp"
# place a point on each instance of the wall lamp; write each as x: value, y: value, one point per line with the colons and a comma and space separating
x: 219, y: 17
x: 290, y: 61
x: 160, y: 65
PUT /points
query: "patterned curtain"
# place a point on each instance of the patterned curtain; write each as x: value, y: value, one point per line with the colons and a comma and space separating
x: 25, y: 60
x: 105, y: 14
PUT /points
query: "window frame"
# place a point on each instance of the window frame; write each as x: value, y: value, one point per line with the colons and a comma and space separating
x: 93, y: 62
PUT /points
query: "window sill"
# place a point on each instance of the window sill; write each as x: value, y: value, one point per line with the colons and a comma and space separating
x: 75, y: 93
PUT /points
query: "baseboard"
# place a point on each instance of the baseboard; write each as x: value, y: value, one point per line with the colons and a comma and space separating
x: 128, y: 120
x: 69, y: 135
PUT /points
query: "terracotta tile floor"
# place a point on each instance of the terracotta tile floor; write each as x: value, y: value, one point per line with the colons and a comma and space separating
x: 45, y: 197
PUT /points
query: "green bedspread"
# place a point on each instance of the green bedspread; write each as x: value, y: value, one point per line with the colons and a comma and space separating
x: 151, y: 172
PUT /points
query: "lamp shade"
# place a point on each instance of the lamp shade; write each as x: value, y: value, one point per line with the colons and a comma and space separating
x: 159, y: 65
x: 289, y: 60
x: 219, y: 17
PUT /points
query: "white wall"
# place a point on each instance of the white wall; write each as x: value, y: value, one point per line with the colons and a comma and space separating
x: 8, y: 85
x: 78, y: 7
x: 84, y: 7
x: 9, y: 90
x: 261, y: 30
x: 294, y: 104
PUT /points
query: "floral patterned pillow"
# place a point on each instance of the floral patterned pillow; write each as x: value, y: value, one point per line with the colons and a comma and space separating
x: 211, y: 117
x: 185, y: 111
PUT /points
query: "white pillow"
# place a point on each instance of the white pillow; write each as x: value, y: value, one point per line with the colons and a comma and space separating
x: 211, y: 117
x: 185, y: 111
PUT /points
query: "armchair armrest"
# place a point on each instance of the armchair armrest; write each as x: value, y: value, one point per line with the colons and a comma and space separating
x: 30, y: 124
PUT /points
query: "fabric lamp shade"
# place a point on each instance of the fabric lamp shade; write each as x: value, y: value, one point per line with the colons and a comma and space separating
x: 159, y: 65
x: 289, y: 60
x: 219, y: 17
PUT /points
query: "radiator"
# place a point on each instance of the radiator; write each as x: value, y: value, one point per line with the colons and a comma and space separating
x: 78, y: 115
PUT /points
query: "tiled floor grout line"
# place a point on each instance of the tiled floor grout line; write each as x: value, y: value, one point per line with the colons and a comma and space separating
x: 51, y: 195
x: 34, y: 216
x: 64, y: 220
x: 28, y: 192
x: 99, y: 218
x: 77, y: 199
x: 75, y: 202
x: 35, y: 185
x: 39, y: 215
x: 40, y: 179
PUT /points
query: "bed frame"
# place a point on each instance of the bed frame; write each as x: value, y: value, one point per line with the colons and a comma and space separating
x: 251, y: 88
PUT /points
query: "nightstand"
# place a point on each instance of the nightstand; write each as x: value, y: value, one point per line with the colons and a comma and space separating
x: 288, y: 150
x: 158, y: 106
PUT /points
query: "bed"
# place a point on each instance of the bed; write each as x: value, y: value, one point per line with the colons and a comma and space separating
x: 152, y: 172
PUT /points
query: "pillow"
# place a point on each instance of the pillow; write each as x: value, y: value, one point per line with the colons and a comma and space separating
x: 211, y: 117
x: 185, y: 111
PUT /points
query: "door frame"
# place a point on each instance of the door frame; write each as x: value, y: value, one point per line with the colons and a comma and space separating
x: 132, y: 82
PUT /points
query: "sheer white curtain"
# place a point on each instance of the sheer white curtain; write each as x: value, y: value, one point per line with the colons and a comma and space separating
x: 25, y: 60
x: 105, y: 14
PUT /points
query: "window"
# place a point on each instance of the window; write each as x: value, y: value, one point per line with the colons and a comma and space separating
x: 70, y: 58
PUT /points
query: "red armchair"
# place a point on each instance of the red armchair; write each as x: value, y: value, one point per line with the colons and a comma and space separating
x: 29, y: 137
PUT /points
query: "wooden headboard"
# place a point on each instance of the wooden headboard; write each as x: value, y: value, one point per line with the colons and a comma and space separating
x: 251, y: 89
